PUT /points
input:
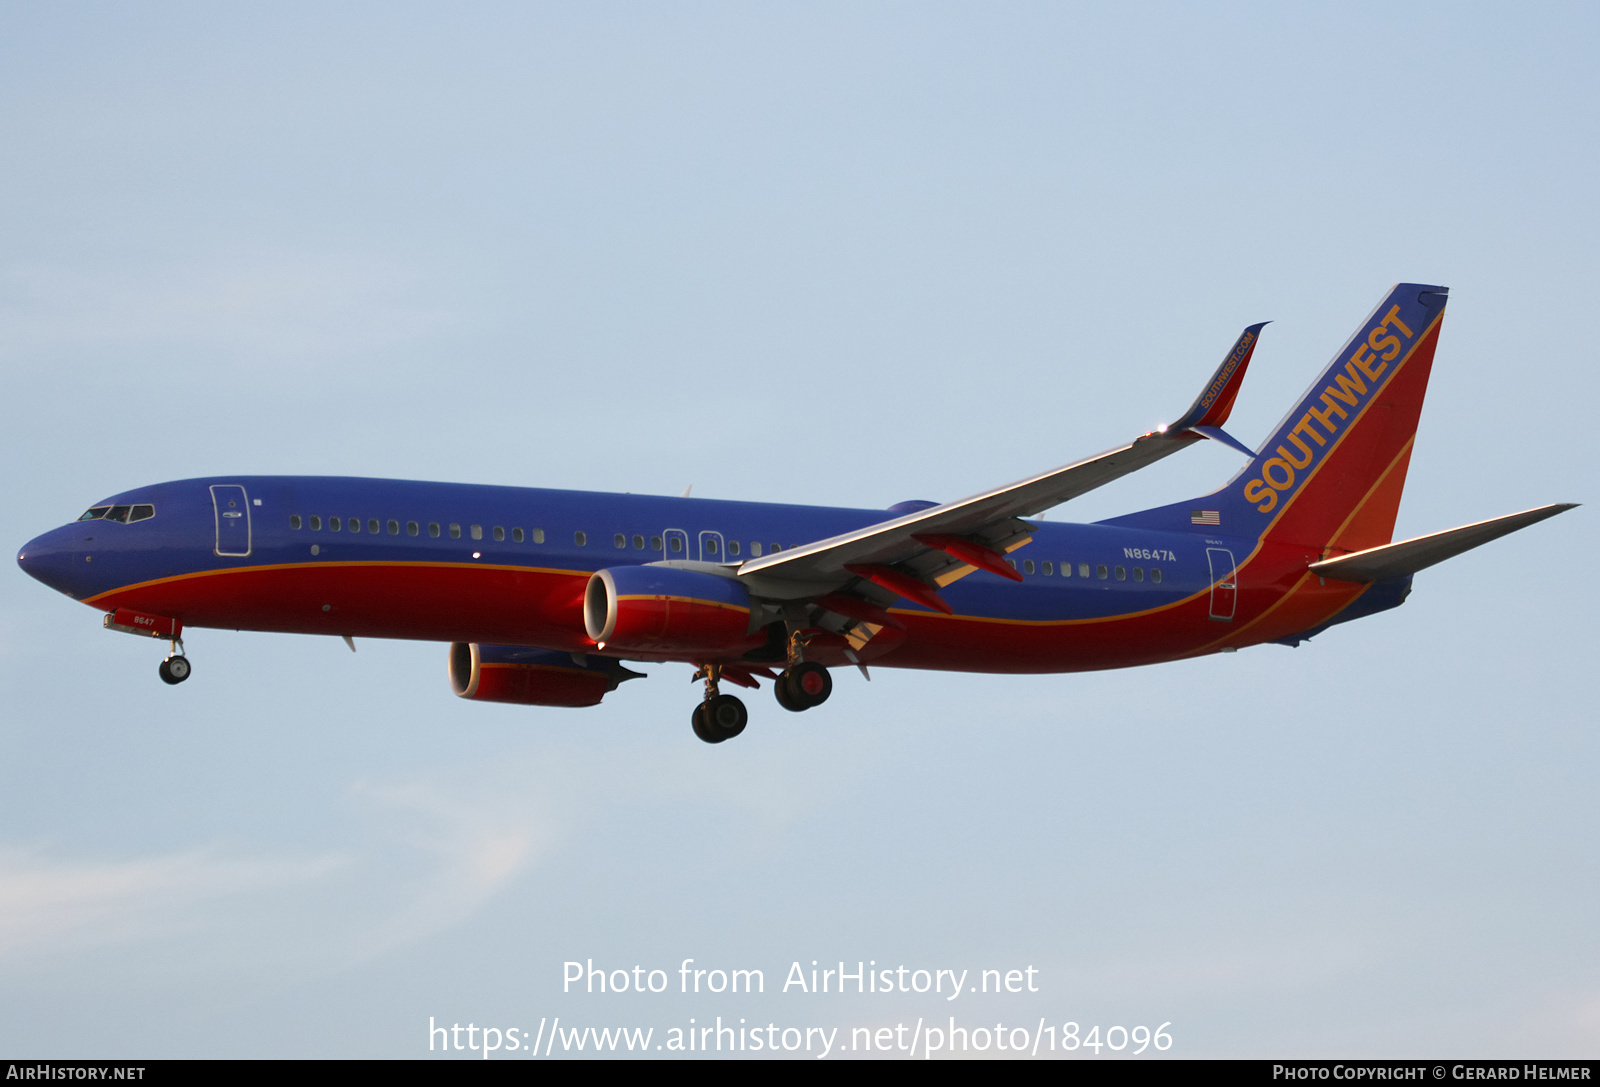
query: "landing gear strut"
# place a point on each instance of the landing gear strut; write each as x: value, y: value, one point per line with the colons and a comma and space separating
x: 721, y: 716
x: 804, y: 683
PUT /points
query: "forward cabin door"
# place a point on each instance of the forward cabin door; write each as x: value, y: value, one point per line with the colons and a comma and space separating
x: 712, y: 547
x: 1224, y: 584
x: 233, y: 519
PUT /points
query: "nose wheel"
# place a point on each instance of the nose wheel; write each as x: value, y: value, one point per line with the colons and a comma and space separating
x: 175, y: 669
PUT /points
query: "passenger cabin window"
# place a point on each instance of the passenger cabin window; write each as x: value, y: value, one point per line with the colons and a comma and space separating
x: 413, y: 529
x: 1083, y: 570
x: 1011, y: 563
x: 620, y: 541
x: 499, y: 534
x: 711, y: 546
x: 755, y: 547
x: 1047, y: 568
x: 1155, y: 576
x: 294, y: 520
x: 538, y: 535
x: 655, y: 543
x: 638, y: 543
x: 433, y: 529
x: 733, y: 547
x: 394, y: 528
x: 676, y: 543
x: 1138, y: 573
x: 477, y: 532
x: 316, y: 523
x: 355, y: 524
x: 1027, y: 566
x: 774, y: 548
x: 372, y: 525
x: 1122, y: 573
x: 455, y: 532
x: 1100, y: 571
x: 580, y: 539
x: 334, y: 524
x: 516, y: 535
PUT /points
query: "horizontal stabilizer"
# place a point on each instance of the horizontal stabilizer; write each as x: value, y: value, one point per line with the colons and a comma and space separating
x: 1409, y: 556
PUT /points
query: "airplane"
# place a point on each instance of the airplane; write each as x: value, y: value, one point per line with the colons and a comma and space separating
x: 544, y: 595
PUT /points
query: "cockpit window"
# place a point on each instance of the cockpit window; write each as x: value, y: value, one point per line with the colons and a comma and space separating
x: 120, y: 514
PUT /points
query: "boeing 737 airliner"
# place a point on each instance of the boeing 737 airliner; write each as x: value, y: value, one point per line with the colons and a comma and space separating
x: 545, y: 594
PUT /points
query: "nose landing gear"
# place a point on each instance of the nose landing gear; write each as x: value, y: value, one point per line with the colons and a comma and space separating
x: 175, y: 669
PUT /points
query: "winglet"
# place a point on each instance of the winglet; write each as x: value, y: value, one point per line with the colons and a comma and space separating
x: 1215, y: 403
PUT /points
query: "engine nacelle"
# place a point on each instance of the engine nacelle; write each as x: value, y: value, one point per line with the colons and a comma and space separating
x: 532, y: 677
x: 663, y: 609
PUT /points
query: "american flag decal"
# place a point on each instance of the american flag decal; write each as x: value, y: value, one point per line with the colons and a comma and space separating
x: 1205, y: 517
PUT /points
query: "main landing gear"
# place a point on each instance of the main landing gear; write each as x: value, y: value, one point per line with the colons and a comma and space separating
x: 803, y: 686
x: 721, y: 716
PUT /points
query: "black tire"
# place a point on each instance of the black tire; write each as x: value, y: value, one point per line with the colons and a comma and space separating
x: 810, y: 684
x: 702, y: 727
x: 174, y: 669
x: 786, y: 699
x: 726, y: 716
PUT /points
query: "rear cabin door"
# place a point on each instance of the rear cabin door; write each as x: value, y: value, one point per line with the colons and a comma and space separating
x: 233, y: 519
x: 1224, y: 584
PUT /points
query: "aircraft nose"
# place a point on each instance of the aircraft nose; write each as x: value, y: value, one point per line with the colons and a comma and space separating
x: 49, y: 559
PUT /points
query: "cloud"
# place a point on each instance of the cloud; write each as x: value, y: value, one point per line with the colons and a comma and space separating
x: 426, y: 853
x: 48, y: 904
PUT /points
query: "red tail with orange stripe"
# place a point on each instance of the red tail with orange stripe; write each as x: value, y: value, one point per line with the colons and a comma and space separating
x: 1330, y: 476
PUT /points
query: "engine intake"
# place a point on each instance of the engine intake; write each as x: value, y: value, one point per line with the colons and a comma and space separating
x: 663, y: 609
x: 532, y: 677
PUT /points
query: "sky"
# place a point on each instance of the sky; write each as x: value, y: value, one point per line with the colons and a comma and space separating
x: 843, y: 254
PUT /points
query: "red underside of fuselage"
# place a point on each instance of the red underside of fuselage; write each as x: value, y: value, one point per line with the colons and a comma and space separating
x: 540, y: 607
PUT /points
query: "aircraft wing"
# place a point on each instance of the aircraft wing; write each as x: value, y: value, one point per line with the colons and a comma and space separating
x: 1409, y: 556
x: 913, y: 555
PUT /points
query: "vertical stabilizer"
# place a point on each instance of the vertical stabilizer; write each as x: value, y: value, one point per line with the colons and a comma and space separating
x: 1331, y: 474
